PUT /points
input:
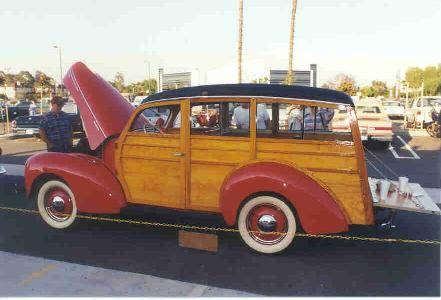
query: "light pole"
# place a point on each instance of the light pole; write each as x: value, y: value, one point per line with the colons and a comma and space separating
x: 239, y: 43
x: 148, y: 74
x: 61, y: 64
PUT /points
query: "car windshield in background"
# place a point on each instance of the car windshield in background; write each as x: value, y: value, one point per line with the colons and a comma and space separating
x: 70, y: 108
x: 368, y: 109
x: 432, y: 101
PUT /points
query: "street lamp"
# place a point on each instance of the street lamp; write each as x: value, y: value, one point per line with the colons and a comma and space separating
x: 61, y: 65
x: 148, y: 74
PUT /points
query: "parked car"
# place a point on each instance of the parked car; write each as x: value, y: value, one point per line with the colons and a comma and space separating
x: 374, y: 124
x: 19, y: 109
x: 138, y: 100
x: 29, y: 125
x: 270, y: 180
x: 420, y: 110
x: 394, y: 109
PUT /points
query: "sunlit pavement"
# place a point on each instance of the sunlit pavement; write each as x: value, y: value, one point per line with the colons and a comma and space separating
x: 112, y: 259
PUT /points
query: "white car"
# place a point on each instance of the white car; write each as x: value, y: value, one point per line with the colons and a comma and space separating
x: 421, y: 111
x: 373, y: 122
x: 394, y: 109
x: 138, y: 100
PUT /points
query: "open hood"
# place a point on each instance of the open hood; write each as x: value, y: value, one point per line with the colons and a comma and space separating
x: 103, y: 110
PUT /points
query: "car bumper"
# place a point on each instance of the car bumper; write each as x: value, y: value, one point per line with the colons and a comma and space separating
x: 395, y: 115
x: 380, y: 138
x: 25, y: 131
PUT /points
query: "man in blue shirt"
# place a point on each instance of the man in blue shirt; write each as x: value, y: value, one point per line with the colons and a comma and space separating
x: 56, y: 128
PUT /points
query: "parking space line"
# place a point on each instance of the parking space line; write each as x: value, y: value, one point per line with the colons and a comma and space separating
x: 408, y: 147
x: 395, y: 154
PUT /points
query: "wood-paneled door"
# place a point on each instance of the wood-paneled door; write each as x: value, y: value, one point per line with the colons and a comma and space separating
x: 152, y: 157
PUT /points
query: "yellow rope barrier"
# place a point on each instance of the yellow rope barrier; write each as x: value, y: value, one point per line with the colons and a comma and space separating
x: 221, y: 229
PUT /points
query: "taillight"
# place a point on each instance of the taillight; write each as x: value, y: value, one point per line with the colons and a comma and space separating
x: 418, y: 113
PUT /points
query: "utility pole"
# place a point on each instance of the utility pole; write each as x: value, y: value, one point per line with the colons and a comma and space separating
x: 148, y: 74
x: 291, y: 40
x: 406, y: 104
x: 239, y: 43
x: 423, y: 115
x: 61, y: 65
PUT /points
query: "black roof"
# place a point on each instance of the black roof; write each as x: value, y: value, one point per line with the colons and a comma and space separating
x: 255, y: 90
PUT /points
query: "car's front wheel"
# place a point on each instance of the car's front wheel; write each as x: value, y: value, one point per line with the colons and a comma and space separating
x: 267, y: 224
x: 56, y: 204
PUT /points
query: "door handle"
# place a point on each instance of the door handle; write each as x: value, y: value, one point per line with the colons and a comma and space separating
x: 178, y: 154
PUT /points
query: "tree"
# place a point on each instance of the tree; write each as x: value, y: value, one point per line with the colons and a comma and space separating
x: 142, y: 87
x: 343, y: 82
x: 9, y: 79
x: 380, y: 88
x: 367, y: 91
x: 431, y: 76
x: 289, y: 79
x: 118, y: 82
x: 260, y: 80
x: 43, y: 83
x: 432, y: 80
x: 25, y: 79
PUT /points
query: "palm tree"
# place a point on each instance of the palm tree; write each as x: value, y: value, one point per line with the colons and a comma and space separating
x: 291, y: 41
x: 239, y: 46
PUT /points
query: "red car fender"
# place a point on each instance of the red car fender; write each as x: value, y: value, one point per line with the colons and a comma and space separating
x: 95, y: 187
x: 316, y: 208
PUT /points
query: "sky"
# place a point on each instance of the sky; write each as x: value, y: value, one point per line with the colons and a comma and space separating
x: 369, y: 39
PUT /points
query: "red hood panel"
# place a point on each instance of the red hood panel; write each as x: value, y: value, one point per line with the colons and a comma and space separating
x: 103, y: 110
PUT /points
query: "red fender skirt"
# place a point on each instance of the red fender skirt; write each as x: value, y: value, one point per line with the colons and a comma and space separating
x: 317, y: 210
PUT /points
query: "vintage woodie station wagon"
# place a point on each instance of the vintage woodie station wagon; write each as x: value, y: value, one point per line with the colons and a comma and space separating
x: 265, y: 157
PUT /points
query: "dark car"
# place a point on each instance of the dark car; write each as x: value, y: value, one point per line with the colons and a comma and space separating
x: 20, y: 109
x: 29, y: 125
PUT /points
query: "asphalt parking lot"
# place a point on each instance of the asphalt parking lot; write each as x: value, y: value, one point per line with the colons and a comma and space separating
x: 311, y: 267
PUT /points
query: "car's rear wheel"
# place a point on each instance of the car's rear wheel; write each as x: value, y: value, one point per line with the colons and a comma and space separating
x: 267, y: 224
x: 56, y: 204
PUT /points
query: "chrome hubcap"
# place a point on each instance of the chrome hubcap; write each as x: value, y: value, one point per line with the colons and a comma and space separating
x: 267, y: 223
x: 58, y: 205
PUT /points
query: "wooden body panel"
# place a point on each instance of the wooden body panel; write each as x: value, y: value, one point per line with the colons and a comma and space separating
x: 335, y: 165
x: 150, y: 174
x: 147, y: 162
x: 212, y: 160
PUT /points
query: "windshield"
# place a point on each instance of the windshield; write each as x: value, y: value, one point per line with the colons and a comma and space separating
x: 391, y: 104
x: 368, y: 109
x: 431, y: 101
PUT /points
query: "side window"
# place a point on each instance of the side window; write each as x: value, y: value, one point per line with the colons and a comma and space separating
x: 221, y: 119
x: 279, y: 120
x: 159, y: 119
x: 322, y: 123
x: 293, y: 121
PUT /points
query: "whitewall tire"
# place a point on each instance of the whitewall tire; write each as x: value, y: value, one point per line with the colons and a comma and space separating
x: 267, y: 224
x: 56, y: 204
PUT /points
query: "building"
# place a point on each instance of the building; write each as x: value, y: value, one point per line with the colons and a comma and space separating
x: 226, y: 74
x: 171, y: 81
x: 301, y: 77
x: 15, y: 92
